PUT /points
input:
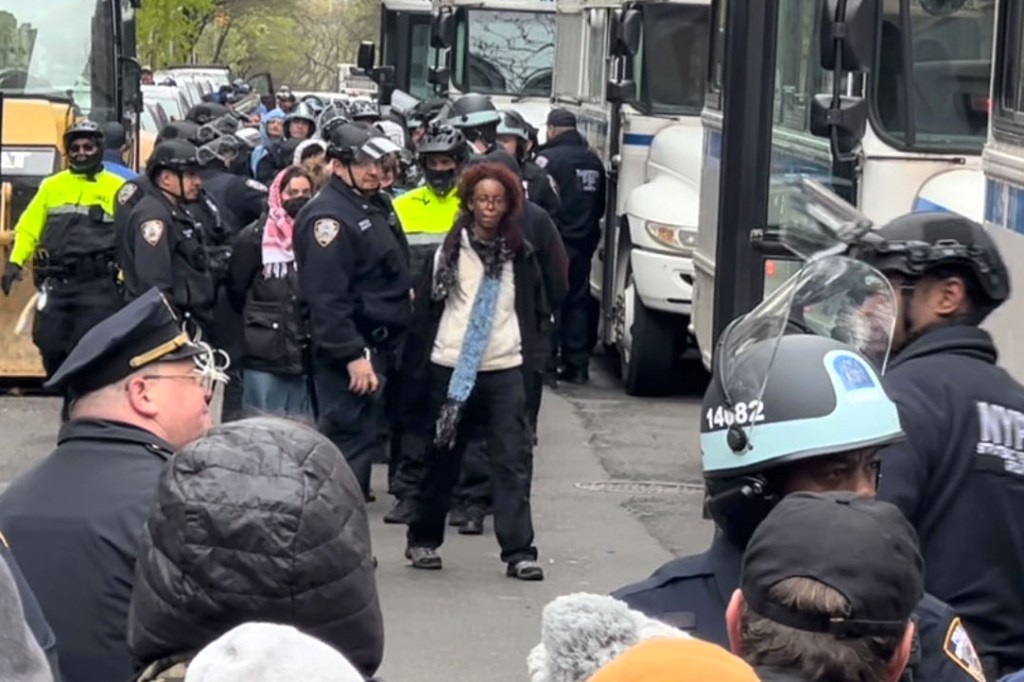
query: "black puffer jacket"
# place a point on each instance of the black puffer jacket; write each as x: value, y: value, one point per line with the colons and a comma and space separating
x: 261, y: 520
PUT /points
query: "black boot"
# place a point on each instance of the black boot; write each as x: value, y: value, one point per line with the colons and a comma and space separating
x: 401, y: 512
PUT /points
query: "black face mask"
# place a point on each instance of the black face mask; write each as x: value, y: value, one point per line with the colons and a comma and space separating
x: 440, y: 181
x: 293, y: 206
x: 88, y: 165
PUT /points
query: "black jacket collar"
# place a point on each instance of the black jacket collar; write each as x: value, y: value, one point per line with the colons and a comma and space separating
x: 113, y: 431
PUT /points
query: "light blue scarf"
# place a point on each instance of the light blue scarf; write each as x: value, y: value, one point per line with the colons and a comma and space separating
x: 478, y: 334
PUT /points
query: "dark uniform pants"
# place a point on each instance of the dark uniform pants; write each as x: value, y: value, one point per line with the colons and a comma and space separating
x: 495, y: 414
x: 72, y: 308
x: 353, y: 422
x: 573, y: 325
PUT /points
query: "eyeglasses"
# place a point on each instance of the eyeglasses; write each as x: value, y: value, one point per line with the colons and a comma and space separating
x: 84, y: 148
x: 202, y: 381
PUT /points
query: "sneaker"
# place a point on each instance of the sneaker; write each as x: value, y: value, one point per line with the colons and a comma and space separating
x: 456, y: 517
x: 401, y: 512
x: 525, y: 569
x: 426, y: 558
x: 473, y: 525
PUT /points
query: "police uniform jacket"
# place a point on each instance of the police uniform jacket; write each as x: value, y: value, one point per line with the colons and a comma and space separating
x: 240, y: 200
x: 354, y: 282
x: 161, y: 246
x: 959, y: 478
x: 692, y: 593
x: 75, y: 521
x: 540, y: 189
x: 580, y: 177
x: 68, y: 227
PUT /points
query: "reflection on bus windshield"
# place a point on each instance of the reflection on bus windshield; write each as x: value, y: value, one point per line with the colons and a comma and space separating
x: 510, y: 52
x: 944, y: 101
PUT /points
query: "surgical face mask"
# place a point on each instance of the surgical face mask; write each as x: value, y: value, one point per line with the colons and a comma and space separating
x: 440, y: 181
x: 294, y: 205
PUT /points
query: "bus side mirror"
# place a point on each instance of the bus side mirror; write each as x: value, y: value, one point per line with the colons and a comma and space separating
x: 846, y: 33
x: 131, y: 83
x: 617, y: 92
x: 367, y: 56
x: 845, y: 124
x: 438, y: 76
x: 442, y: 29
x: 625, y: 28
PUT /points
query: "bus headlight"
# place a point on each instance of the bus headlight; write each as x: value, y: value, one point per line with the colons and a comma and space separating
x: 682, y: 239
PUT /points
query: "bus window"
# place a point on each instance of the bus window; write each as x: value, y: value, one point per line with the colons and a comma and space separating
x: 672, y: 61
x: 570, y: 39
x: 943, y: 103
x: 597, y: 55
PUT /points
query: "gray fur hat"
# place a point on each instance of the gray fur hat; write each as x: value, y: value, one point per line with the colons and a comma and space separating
x: 581, y: 632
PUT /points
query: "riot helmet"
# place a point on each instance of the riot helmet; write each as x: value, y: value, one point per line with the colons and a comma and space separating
x: 785, y: 389
x: 250, y: 137
x: 352, y: 143
x: 85, y: 158
x: 329, y: 119
x: 442, y: 139
x: 919, y: 244
x: 476, y: 116
x: 223, y: 150
x: 363, y: 109
x: 204, y: 112
x: 179, y: 130
x: 302, y: 112
x: 177, y: 156
x: 513, y: 125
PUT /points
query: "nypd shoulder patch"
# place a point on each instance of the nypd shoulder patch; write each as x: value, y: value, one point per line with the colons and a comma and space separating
x: 541, y: 161
x: 126, y: 193
x: 152, y: 231
x: 960, y: 649
x: 325, y: 230
x: 365, y: 224
x: 256, y: 185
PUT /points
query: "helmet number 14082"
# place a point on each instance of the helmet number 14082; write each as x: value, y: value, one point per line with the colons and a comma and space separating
x: 749, y: 412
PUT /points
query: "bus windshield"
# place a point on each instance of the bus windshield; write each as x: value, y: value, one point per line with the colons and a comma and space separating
x: 942, y: 102
x: 60, y: 49
x: 673, y: 62
x: 505, y: 52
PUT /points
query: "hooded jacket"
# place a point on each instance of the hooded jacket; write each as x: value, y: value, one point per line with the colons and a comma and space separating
x: 261, y: 520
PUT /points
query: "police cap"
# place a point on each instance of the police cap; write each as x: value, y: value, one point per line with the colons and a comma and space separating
x: 143, y: 332
x: 862, y: 548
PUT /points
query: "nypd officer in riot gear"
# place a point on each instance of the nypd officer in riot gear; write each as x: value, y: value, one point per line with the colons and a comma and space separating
x: 784, y: 414
x: 959, y: 476
x: 160, y: 244
x: 241, y: 199
x: 68, y: 232
x: 354, y: 293
x: 513, y: 134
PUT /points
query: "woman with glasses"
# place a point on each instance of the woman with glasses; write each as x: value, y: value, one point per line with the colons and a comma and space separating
x: 479, y: 312
x: 263, y: 283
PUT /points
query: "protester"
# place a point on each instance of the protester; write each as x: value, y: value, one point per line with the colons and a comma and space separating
x: 676, y: 660
x: 263, y: 283
x: 480, y: 310
x: 261, y: 520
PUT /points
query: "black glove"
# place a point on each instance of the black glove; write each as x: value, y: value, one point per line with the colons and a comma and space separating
x: 11, y: 273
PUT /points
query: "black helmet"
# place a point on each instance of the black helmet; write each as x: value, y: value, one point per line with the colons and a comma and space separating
x: 87, y: 129
x: 114, y: 135
x: 473, y: 111
x: 204, y: 112
x: 917, y: 243
x: 353, y: 142
x: 173, y: 155
x: 302, y: 112
x: 442, y: 138
x: 363, y: 110
x: 512, y: 123
x: 224, y: 149
x: 178, y: 130
x: 329, y: 119
x: 425, y: 111
x: 85, y: 164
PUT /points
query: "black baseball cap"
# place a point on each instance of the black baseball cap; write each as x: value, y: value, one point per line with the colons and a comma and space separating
x: 561, y: 118
x: 863, y: 548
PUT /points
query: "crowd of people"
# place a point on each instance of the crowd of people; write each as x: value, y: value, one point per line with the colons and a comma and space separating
x: 401, y: 292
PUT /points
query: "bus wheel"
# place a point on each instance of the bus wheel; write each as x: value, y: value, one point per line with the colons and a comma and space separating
x: 648, y: 348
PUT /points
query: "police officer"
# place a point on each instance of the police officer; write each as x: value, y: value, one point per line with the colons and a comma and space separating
x: 68, y: 232
x: 364, y: 110
x: 354, y: 292
x: 240, y: 199
x: 580, y: 178
x: 160, y: 243
x: 958, y: 477
x: 797, y: 413
x: 140, y: 390
x: 513, y: 135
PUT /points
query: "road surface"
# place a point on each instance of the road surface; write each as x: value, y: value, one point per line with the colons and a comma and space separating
x: 616, y: 493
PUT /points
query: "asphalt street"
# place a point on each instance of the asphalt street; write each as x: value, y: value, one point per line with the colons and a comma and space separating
x: 616, y: 494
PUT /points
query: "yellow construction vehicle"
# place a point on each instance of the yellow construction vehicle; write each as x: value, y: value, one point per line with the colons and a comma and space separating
x: 60, y: 60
